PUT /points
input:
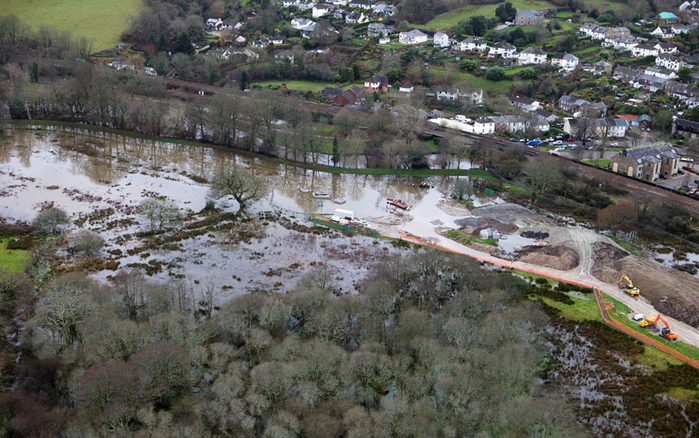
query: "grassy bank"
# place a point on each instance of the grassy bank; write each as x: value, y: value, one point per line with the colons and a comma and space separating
x: 450, y: 19
x: 100, y: 20
x: 12, y: 260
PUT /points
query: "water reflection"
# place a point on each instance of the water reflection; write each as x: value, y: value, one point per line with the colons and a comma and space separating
x: 96, y: 161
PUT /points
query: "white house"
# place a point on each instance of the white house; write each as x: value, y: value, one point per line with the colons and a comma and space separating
x: 412, y: 37
x: 683, y: 29
x: 483, y: 126
x: 453, y: 94
x: 360, y: 4
x: 644, y: 50
x: 595, y: 31
x: 665, y: 48
x: 525, y: 103
x: 406, y: 87
x: 670, y: 62
x: 304, y: 5
x: 504, y: 50
x: 303, y: 24
x: 384, y: 40
x: 620, y: 42
x: 663, y: 32
x: 532, y: 56
x: 648, y: 82
x: 214, y: 24
x: 441, y: 39
x: 660, y: 73
x: 472, y: 44
x: 518, y: 124
x: 566, y: 62
x: 321, y: 9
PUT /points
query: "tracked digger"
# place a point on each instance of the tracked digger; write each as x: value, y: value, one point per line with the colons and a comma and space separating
x: 665, y: 332
x: 626, y: 284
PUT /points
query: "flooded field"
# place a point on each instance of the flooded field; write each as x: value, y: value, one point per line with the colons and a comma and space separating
x: 99, y: 179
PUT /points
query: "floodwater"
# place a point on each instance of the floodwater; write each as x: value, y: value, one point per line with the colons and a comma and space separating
x: 668, y: 259
x: 86, y: 172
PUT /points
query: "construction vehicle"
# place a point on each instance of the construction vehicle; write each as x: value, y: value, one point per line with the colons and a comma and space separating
x: 642, y: 320
x: 626, y: 284
x: 666, y: 332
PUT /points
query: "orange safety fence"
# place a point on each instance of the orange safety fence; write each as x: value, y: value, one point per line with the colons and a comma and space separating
x: 598, y: 295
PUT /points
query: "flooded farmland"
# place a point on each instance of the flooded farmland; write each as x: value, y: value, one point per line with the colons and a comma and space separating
x: 100, y: 178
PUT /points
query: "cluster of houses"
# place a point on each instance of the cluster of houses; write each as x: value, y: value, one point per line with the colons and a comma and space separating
x: 654, y: 79
x: 620, y: 38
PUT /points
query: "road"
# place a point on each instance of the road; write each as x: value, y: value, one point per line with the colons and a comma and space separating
x: 581, y: 275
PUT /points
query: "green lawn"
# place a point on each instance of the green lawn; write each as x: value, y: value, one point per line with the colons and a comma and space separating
x: 603, y: 5
x: 501, y: 87
x: 603, y: 163
x: 12, y: 259
x: 315, y: 87
x: 450, y: 19
x: 100, y: 20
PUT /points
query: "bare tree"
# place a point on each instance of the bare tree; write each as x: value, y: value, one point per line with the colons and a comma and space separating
x: 87, y: 242
x: 160, y: 213
x: 243, y: 185
x: 542, y: 174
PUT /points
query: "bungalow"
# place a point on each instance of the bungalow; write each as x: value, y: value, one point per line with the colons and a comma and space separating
x: 622, y: 43
x: 667, y: 17
x: 647, y: 162
x: 663, y: 32
x: 472, y: 44
x: 684, y: 126
x: 566, y: 61
x: 595, y: 31
x: 406, y: 87
x: 529, y: 18
x: 626, y: 73
x: 376, y: 84
x: 683, y: 29
x: 525, y: 103
x: 672, y: 62
x: 532, y: 56
x: 648, y: 82
x: 441, y: 39
x: 504, y: 50
x: 321, y: 10
x: 665, y: 48
x: 276, y: 40
x: 412, y: 37
x: 644, y: 50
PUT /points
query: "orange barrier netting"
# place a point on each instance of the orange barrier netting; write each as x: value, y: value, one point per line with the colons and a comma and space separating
x: 598, y: 295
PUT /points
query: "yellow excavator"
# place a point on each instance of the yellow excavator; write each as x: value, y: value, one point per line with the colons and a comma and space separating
x: 626, y: 284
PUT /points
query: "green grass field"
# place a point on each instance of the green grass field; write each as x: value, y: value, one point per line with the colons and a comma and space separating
x: 12, y: 259
x: 450, y: 19
x: 603, y: 5
x: 603, y: 163
x: 100, y: 20
x: 315, y: 87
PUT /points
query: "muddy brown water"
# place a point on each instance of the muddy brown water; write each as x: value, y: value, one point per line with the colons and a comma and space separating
x: 86, y: 172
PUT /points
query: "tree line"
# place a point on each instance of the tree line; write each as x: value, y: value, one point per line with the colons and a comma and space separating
x: 433, y: 345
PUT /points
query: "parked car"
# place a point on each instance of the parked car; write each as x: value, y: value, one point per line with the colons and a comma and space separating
x: 535, y: 142
x: 570, y: 139
x: 615, y: 144
x: 558, y: 142
x: 514, y: 140
x: 544, y: 143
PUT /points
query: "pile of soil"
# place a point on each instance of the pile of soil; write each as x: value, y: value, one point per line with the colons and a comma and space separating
x: 607, y: 262
x: 474, y: 225
x: 453, y: 208
x: 557, y: 257
x: 670, y: 291
x: 535, y: 235
x: 505, y: 212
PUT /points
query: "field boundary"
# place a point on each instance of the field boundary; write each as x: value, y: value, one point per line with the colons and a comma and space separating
x: 604, y: 312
